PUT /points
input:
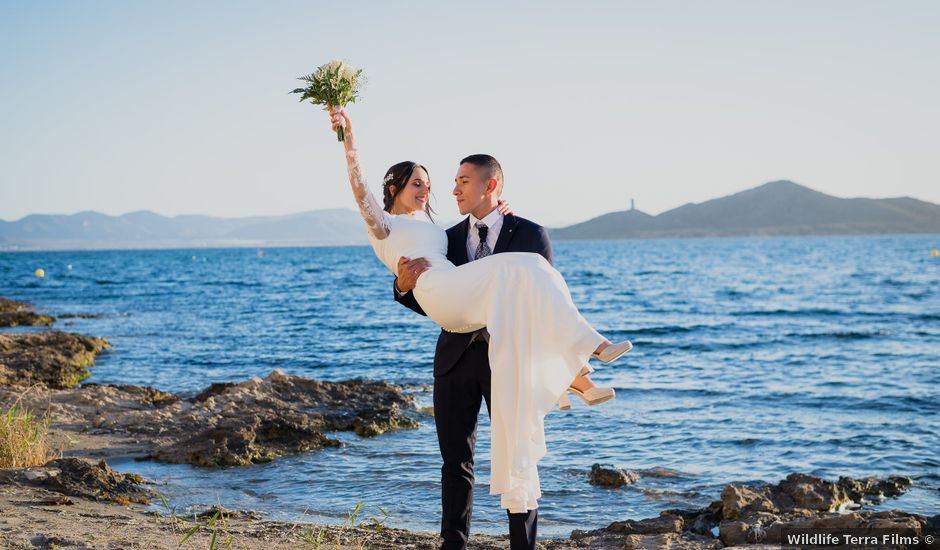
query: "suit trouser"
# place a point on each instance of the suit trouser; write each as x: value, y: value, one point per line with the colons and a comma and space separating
x: 458, y: 395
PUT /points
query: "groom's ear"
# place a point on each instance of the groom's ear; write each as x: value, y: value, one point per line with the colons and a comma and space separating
x: 492, y: 184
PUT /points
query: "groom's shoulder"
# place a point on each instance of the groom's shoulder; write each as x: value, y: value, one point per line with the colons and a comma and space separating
x: 527, y: 226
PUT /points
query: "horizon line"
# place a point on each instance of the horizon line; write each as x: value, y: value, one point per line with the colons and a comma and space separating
x: 173, y: 216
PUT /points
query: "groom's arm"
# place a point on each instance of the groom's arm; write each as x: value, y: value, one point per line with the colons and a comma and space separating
x: 406, y: 299
x: 408, y: 272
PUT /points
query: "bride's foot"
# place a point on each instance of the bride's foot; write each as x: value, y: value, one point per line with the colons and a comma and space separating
x: 583, y: 387
x: 608, y: 352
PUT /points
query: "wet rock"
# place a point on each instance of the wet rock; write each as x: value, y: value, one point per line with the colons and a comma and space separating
x: 874, y: 489
x: 609, y: 476
x: 79, y: 478
x: 53, y: 359
x: 83, y: 316
x: 14, y: 314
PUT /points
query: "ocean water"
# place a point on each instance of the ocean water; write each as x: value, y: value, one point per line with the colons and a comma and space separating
x: 754, y: 358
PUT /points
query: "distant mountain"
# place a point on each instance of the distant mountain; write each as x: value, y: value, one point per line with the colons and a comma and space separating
x: 146, y: 229
x: 775, y: 208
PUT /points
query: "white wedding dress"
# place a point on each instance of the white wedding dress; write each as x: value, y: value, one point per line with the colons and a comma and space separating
x: 538, y: 339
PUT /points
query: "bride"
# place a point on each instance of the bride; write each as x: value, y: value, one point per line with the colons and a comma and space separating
x: 539, y: 343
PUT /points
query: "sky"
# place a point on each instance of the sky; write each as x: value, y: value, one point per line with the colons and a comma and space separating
x: 182, y: 107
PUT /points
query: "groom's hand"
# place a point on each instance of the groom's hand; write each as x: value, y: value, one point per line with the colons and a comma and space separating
x: 408, y: 272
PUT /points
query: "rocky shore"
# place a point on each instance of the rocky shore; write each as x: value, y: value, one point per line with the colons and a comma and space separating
x: 14, y: 314
x: 77, y: 501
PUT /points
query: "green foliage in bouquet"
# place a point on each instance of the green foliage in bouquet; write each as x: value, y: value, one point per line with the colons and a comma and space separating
x: 335, y: 84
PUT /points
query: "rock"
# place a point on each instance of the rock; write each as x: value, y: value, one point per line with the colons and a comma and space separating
x: 601, y: 538
x: 861, y: 522
x: 262, y: 419
x: 933, y: 525
x: 79, y: 478
x: 755, y: 516
x: 131, y: 396
x: 608, y: 476
x: 231, y: 424
x: 39, y: 475
x: 53, y: 359
x: 751, y: 531
x: 796, y: 492
x: 738, y: 501
x: 14, y: 314
x: 663, y: 524
x: 233, y: 442
x: 659, y: 471
x: 83, y: 316
x: 812, y: 493
x: 874, y: 489
x: 60, y: 500
x: 701, y: 521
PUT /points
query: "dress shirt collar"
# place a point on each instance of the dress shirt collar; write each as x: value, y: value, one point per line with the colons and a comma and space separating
x: 490, y: 219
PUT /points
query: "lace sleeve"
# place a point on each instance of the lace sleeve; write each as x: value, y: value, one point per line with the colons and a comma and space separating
x: 375, y: 217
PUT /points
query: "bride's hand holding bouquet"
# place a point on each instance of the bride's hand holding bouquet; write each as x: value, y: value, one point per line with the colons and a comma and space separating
x: 334, y: 85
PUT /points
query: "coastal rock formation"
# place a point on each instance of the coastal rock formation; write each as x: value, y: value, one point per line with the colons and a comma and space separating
x: 79, y: 478
x: 760, y: 514
x: 230, y: 424
x: 15, y: 314
x: 53, y: 359
x: 752, y: 516
x: 261, y: 419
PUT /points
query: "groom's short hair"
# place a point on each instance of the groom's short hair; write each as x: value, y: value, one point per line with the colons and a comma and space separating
x: 490, y: 168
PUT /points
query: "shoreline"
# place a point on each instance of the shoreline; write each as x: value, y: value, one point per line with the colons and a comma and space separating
x: 83, y: 504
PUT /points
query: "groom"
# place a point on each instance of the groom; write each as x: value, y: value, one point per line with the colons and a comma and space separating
x: 461, y: 364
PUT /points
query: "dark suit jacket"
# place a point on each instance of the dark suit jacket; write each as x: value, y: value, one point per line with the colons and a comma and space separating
x: 516, y: 235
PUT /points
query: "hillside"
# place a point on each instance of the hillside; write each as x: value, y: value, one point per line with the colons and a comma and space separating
x: 775, y: 208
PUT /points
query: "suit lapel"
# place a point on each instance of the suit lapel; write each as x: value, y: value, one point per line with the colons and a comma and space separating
x: 505, y: 233
x: 460, y: 254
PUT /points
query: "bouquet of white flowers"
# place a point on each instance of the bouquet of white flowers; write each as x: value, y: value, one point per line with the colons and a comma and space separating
x: 333, y: 85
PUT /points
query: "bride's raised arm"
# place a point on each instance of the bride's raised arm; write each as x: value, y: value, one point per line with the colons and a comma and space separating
x: 369, y: 207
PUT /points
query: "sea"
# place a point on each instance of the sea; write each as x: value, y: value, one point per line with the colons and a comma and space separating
x: 754, y: 357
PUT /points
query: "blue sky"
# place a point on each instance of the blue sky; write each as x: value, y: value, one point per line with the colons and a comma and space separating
x: 181, y: 107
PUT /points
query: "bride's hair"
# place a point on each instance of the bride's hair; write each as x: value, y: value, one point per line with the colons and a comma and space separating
x: 398, y: 176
